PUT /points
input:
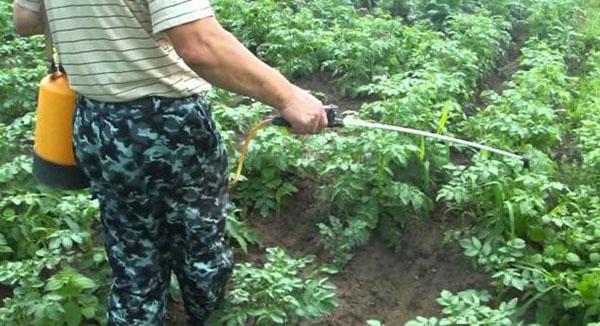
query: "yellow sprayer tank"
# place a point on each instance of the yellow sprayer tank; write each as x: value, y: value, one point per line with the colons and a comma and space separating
x: 54, y: 159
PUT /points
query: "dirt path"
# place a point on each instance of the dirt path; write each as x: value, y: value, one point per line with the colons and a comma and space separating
x: 5, y: 292
x: 506, y: 67
x: 395, y: 288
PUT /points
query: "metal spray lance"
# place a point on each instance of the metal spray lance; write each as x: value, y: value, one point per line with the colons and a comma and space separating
x: 335, y: 121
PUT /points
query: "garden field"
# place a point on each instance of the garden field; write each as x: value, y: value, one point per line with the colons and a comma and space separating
x: 359, y: 226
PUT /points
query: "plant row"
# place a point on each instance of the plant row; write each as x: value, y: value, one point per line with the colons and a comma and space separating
x: 535, y: 230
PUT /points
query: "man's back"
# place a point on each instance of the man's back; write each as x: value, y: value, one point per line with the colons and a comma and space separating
x: 116, y: 50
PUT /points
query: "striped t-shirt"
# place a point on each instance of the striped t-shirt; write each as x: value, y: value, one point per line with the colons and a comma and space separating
x: 116, y: 50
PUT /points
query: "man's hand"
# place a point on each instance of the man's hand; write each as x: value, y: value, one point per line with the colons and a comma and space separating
x: 218, y: 57
x: 27, y: 22
x: 304, y: 112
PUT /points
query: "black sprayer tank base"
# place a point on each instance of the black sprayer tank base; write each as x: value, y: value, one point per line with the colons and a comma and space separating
x: 59, y: 176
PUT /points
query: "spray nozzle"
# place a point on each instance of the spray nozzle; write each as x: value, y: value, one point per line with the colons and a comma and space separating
x: 333, y: 120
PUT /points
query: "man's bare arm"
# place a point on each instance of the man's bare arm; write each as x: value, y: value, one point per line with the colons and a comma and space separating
x: 218, y: 57
x: 27, y: 22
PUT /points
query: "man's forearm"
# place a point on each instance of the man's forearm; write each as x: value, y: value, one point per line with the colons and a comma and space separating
x: 223, y: 61
x: 237, y: 69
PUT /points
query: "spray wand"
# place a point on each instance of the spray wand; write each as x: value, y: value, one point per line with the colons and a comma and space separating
x: 334, y: 121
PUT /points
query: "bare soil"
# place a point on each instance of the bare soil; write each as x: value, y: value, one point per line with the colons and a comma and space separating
x: 567, y: 150
x: 507, y: 66
x: 397, y: 287
x: 5, y: 292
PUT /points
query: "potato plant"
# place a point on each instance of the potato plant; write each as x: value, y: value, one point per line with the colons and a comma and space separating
x: 283, y: 292
x: 438, y: 10
x: 586, y: 122
x: 528, y: 111
x: 21, y: 68
x: 369, y: 181
x: 535, y: 234
x: 470, y: 308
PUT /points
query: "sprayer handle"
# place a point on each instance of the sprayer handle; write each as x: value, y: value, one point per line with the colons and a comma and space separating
x: 280, y: 121
x: 333, y: 120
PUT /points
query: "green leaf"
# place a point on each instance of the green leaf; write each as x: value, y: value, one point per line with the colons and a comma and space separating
x: 511, y: 218
x: 54, y: 284
x: 88, y: 312
x: 84, y: 282
x: 277, y: 319
x: 589, y: 286
x: 422, y: 151
x: 537, y: 234
x: 476, y: 243
x: 573, y: 258
x: 330, y: 269
x: 67, y: 243
x: 545, y: 313
x: 444, y: 117
x: 72, y: 314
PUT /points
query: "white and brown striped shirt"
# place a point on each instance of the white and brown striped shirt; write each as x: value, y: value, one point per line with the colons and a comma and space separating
x: 116, y: 50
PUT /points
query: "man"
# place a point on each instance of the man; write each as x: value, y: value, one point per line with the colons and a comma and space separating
x: 144, y: 136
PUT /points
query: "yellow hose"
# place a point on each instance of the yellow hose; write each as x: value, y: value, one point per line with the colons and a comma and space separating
x: 244, y: 153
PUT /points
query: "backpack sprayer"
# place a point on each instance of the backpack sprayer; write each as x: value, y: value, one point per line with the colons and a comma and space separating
x: 54, y: 159
x: 335, y: 121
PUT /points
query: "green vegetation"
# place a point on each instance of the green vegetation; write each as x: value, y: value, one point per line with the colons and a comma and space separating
x: 415, y: 63
x: 591, y: 25
x: 284, y: 291
x: 469, y: 308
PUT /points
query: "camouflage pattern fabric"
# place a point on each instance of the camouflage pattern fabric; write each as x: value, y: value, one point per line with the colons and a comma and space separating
x: 159, y: 169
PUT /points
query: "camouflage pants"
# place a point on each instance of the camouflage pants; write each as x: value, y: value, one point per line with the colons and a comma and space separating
x: 159, y: 169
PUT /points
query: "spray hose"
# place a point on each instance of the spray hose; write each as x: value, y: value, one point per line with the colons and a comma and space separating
x: 244, y: 152
x: 333, y: 121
